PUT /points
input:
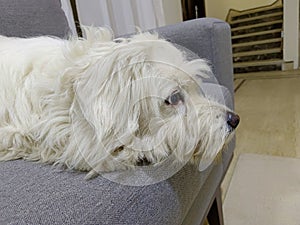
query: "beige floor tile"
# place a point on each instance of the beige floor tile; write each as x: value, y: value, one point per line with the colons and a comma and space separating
x: 270, y: 119
x: 264, y: 190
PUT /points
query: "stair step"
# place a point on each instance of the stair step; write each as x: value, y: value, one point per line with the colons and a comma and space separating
x: 256, y: 33
x: 268, y: 74
x: 257, y: 42
x: 256, y: 17
x: 254, y: 14
x: 258, y: 63
x: 262, y: 9
x: 257, y: 39
x: 252, y: 69
x: 258, y: 52
x: 256, y: 25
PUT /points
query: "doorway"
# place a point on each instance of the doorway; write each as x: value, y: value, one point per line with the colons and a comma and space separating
x: 192, y: 9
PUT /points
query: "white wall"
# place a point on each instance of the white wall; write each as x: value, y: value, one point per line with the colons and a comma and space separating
x: 172, y: 11
x: 291, y: 32
x: 220, y: 8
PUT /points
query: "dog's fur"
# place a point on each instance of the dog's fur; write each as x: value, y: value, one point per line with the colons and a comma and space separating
x: 99, y: 104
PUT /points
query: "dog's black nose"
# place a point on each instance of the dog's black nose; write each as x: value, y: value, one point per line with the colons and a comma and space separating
x: 233, y: 119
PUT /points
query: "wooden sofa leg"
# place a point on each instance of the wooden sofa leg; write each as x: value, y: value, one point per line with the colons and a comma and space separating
x: 215, y: 214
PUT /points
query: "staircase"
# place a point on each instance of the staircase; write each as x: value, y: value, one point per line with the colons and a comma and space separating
x: 256, y: 39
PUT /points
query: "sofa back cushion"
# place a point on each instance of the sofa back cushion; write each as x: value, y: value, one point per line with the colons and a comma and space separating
x: 27, y: 18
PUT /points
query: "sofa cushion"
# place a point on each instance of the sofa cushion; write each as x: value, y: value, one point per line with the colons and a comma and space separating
x: 217, y: 93
x: 27, y: 18
x: 209, y: 38
x: 33, y: 193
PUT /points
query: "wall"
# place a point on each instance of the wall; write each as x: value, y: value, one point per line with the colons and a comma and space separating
x: 220, y: 8
x: 172, y: 11
x: 291, y: 32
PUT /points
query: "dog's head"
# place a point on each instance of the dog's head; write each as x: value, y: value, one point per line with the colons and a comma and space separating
x: 143, y: 100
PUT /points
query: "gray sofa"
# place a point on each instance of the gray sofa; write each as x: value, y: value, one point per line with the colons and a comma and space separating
x: 33, y: 193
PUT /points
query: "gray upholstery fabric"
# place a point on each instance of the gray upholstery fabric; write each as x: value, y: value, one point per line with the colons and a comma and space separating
x: 218, y: 93
x: 210, y: 39
x: 201, y: 203
x: 32, y: 193
x: 27, y: 18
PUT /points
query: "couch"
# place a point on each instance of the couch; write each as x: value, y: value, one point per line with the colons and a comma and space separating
x: 34, y: 193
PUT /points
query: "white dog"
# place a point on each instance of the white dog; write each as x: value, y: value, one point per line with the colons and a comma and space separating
x: 100, y: 105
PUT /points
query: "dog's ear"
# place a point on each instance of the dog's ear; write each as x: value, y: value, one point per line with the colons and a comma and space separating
x: 106, y: 95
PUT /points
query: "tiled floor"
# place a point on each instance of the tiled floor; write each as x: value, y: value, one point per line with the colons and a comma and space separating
x: 264, y: 190
x: 270, y: 119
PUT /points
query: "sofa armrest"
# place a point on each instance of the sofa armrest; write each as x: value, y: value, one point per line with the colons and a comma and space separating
x: 209, y: 38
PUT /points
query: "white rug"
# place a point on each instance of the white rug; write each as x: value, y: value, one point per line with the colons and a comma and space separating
x: 264, y: 190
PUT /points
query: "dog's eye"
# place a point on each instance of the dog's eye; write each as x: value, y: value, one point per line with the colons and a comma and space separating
x: 174, y: 98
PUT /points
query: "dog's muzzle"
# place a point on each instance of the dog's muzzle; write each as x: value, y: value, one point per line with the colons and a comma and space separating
x: 233, y: 120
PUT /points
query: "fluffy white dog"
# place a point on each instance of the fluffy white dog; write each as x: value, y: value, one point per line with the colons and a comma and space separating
x: 100, y: 105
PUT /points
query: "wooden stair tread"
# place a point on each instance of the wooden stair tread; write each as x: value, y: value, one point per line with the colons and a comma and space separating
x: 257, y: 42
x: 258, y: 63
x: 257, y: 52
x: 256, y: 25
x: 256, y: 33
x: 260, y: 9
x: 256, y: 17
